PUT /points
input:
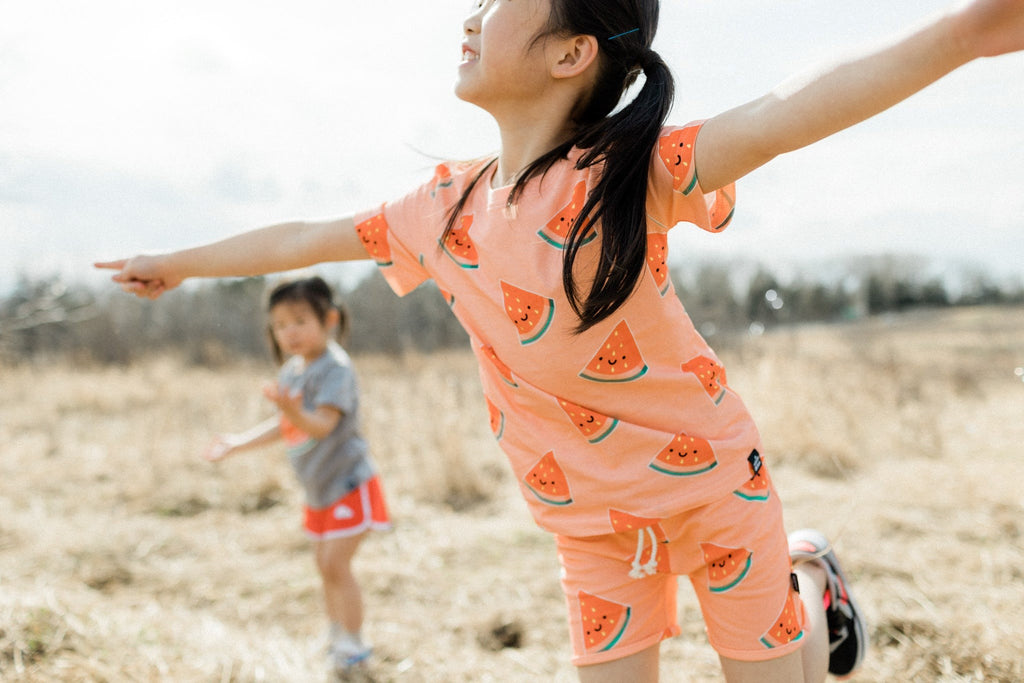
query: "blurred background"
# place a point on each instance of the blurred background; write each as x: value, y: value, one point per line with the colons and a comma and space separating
x: 127, y: 127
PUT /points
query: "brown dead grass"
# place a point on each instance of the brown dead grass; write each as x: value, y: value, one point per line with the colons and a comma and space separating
x: 124, y: 557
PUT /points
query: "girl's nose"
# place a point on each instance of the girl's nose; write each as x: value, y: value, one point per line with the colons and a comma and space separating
x: 471, y: 24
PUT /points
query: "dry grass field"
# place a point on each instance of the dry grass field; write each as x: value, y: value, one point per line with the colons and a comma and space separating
x: 124, y: 557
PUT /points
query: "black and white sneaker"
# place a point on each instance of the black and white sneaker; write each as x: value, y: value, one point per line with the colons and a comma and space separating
x: 847, y: 640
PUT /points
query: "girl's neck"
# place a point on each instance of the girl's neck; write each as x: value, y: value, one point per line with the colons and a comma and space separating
x: 309, y: 358
x: 525, y: 139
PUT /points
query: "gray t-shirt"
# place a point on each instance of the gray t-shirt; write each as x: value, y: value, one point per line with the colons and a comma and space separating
x: 328, y: 468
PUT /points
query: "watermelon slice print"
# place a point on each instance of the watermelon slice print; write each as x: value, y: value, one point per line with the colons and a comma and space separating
x: 618, y: 359
x: 710, y: 374
x: 497, y: 419
x: 503, y: 370
x: 547, y: 481
x: 757, y: 488
x: 657, y: 256
x: 685, y: 456
x: 557, y: 229
x: 531, y: 313
x: 623, y: 522
x: 723, y: 209
x: 676, y: 152
x: 373, y: 232
x: 604, y: 621
x: 786, y: 627
x: 459, y: 246
x: 594, y: 426
x: 726, y: 566
x: 442, y: 179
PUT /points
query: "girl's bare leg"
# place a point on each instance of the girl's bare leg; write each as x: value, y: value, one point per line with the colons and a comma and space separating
x: 808, y: 664
x: 342, y: 595
x: 641, y: 667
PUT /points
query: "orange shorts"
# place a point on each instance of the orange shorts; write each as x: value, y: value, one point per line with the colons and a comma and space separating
x: 361, y: 509
x: 736, y: 555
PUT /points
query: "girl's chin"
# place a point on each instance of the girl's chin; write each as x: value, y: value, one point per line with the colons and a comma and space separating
x: 464, y: 91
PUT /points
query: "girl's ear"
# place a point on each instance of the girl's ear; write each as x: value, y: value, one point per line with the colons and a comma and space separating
x: 574, y: 56
x: 332, y: 319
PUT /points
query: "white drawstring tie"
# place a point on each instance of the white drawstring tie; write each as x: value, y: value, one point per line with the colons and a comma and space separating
x: 649, y: 568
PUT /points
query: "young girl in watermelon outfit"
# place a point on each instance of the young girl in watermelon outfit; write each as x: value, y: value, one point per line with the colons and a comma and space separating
x: 617, y: 418
x: 317, y: 397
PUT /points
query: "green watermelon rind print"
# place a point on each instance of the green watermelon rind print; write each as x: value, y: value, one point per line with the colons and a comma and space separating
x: 618, y: 636
x: 680, y: 473
x: 549, y: 501
x: 615, y: 380
x: 753, y: 497
x: 689, y: 188
x: 732, y: 584
x: 770, y: 646
x: 603, y: 434
x: 543, y: 328
x: 461, y: 262
x: 560, y: 244
x: 725, y: 222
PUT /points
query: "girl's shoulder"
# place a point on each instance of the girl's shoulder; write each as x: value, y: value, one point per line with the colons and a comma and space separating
x: 457, y: 172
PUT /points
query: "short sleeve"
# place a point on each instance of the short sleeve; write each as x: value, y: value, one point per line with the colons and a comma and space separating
x: 397, y: 234
x: 674, y: 194
x: 336, y: 389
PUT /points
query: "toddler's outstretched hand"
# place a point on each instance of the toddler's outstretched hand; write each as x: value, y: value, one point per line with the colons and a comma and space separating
x: 144, y: 276
x: 988, y: 28
x: 220, y: 448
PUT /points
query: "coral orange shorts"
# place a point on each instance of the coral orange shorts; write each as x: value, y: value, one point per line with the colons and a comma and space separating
x: 621, y: 588
x: 361, y: 509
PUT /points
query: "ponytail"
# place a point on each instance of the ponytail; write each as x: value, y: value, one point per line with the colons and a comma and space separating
x: 620, y: 143
x: 623, y: 142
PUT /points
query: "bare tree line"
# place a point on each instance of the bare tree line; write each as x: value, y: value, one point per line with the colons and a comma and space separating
x: 218, y: 321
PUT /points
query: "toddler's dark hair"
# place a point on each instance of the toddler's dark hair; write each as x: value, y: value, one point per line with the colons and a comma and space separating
x: 313, y: 291
x: 623, y: 142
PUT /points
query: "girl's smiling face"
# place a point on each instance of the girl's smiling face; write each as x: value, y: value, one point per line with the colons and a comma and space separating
x: 501, y: 62
x: 298, y: 330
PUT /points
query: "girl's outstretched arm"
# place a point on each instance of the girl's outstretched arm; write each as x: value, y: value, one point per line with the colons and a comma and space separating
x: 284, y: 246
x: 807, y: 109
x: 225, y: 445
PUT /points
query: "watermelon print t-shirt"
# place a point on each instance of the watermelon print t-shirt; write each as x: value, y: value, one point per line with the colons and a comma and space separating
x: 632, y: 416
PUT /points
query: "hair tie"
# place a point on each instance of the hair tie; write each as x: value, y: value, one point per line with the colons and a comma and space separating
x: 624, y: 33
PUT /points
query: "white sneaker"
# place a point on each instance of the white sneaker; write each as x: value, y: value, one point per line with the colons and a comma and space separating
x: 346, y: 651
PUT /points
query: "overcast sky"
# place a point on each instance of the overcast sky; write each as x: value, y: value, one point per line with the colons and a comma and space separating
x: 129, y: 125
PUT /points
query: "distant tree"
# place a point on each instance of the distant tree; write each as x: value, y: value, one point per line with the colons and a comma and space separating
x: 710, y: 301
x: 40, y: 316
x: 384, y: 322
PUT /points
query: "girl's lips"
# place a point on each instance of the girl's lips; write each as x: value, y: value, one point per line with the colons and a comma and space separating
x: 468, y: 54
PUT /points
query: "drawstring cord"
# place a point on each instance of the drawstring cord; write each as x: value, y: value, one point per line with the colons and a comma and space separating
x: 649, y: 568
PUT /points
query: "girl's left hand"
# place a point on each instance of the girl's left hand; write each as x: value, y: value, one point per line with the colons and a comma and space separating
x: 988, y: 28
x: 288, y: 403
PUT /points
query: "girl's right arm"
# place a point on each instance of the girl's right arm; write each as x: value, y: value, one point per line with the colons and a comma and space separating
x: 225, y: 445
x: 810, y: 108
x: 276, y: 248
